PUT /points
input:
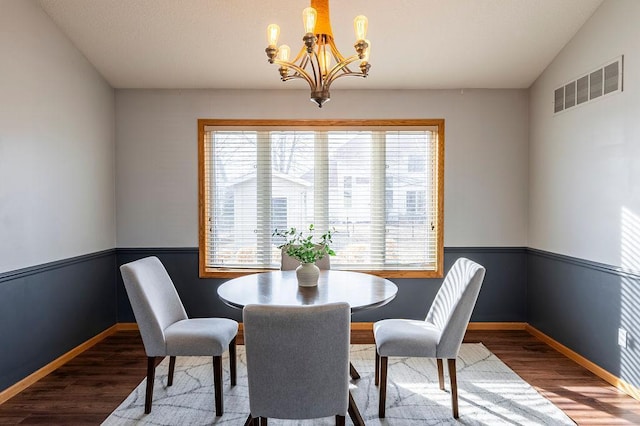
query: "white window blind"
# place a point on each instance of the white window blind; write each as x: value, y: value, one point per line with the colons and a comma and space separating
x: 376, y: 188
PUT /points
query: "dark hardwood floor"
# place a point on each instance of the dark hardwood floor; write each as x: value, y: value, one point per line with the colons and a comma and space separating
x: 92, y: 385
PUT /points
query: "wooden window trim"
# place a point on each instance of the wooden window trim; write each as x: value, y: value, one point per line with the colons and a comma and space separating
x: 205, y: 272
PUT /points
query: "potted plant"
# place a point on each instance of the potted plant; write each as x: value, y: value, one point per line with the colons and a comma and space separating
x: 301, y: 246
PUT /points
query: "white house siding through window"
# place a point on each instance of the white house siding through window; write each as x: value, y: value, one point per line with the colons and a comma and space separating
x: 377, y: 188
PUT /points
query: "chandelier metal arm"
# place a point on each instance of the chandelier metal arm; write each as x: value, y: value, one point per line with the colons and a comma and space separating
x: 341, y: 66
x: 303, y: 58
x: 352, y: 74
x: 334, y: 50
x: 300, y: 72
x: 315, y: 72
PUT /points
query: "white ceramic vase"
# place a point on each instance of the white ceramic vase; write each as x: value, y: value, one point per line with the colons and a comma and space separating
x: 307, y: 274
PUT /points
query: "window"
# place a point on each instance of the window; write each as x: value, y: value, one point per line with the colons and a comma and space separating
x: 353, y: 176
x: 415, y: 204
x: 416, y: 163
x: 278, y: 213
x: 347, y: 191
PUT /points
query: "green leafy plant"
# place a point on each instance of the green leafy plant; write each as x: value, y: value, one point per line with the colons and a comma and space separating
x: 300, y: 244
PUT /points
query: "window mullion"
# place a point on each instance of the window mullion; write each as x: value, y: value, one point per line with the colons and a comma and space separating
x: 321, y: 181
x: 378, y: 196
x: 210, y: 197
x: 263, y: 196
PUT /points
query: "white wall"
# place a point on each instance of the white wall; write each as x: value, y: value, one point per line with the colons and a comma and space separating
x: 585, y: 162
x: 486, y: 134
x: 57, y: 183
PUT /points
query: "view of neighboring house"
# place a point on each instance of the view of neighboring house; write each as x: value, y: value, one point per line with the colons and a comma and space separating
x: 345, y: 180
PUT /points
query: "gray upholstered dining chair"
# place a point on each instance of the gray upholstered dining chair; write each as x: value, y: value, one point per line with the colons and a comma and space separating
x: 288, y: 263
x: 167, y: 331
x: 438, y: 336
x: 297, y: 361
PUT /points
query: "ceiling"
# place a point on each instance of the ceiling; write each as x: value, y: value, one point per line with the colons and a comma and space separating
x: 416, y: 44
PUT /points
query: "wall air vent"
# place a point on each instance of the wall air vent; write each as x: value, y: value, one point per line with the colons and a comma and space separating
x: 602, y: 81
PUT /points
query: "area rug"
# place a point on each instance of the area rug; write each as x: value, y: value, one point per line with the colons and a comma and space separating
x: 489, y: 393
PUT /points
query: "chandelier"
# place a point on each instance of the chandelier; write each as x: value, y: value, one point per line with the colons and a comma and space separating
x: 315, y: 61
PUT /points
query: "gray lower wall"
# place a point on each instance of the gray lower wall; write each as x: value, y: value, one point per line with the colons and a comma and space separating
x: 582, y: 304
x: 503, y: 295
x: 47, y: 310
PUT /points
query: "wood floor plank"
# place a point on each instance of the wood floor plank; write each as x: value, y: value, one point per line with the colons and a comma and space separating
x: 89, y: 387
x: 583, y: 396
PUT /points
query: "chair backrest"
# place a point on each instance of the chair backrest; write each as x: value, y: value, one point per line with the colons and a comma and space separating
x: 154, y: 300
x: 297, y: 360
x: 452, y: 307
x: 288, y: 263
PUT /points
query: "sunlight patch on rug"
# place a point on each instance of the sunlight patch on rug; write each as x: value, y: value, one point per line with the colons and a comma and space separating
x: 489, y: 393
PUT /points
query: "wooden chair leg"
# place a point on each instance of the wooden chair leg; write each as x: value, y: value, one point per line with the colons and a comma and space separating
x: 232, y: 361
x: 377, y: 373
x: 255, y: 421
x: 440, y: 373
x: 354, y: 412
x: 383, y: 385
x: 353, y: 372
x: 172, y: 368
x: 217, y: 384
x: 340, y: 420
x: 151, y: 374
x: 454, y: 386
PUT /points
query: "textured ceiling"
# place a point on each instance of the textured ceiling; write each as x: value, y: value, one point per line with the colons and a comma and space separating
x: 415, y: 43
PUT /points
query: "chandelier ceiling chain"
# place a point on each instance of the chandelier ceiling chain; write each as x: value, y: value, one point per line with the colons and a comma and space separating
x: 314, y: 60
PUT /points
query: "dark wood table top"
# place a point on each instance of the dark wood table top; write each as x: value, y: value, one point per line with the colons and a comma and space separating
x: 361, y: 291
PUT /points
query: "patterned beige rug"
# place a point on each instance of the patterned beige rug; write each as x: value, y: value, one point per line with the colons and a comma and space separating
x: 489, y: 394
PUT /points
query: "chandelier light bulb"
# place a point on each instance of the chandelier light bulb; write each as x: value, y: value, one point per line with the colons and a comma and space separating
x: 284, y: 52
x: 324, y: 58
x: 273, y: 32
x: 309, y: 18
x: 360, y: 24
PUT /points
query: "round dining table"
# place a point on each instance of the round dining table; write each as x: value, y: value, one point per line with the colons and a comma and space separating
x: 362, y: 291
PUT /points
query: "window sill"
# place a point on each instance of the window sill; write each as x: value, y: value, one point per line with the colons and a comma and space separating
x: 234, y: 273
